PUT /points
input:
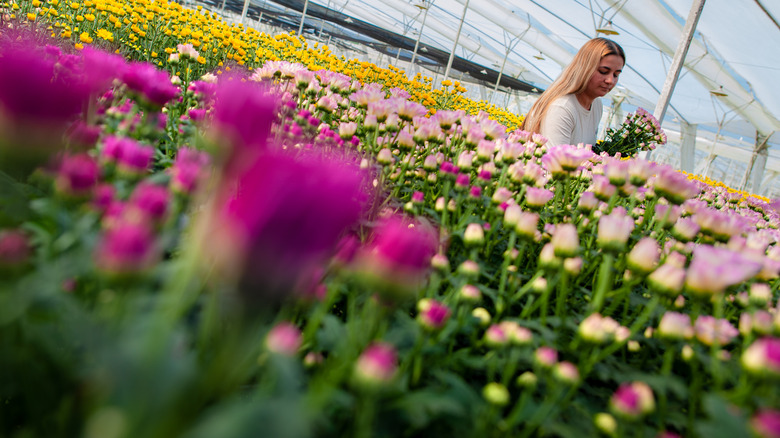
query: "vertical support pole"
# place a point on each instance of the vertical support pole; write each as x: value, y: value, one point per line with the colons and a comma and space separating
x: 757, y: 165
x: 303, y: 16
x: 419, y: 35
x: 687, y: 146
x: 679, y: 58
x: 500, y: 73
x: 243, y: 12
x: 455, y: 46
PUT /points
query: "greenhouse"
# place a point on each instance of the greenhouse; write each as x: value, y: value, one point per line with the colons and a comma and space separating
x: 316, y: 218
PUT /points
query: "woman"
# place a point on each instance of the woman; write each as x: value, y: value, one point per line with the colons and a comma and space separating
x: 569, y: 111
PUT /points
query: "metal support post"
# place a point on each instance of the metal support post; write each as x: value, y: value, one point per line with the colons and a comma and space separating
x: 679, y: 59
x: 687, y: 146
x: 303, y: 16
x: 417, y: 44
x: 455, y: 46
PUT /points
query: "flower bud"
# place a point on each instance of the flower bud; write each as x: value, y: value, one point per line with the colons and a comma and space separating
x: 760, y: 294
x: 496, y: 394
x: 687, y: 353
x: 482, y: 315
x: 766, y: 424
x: 470, y: 293
x: 15, y: 250
x: 474, y: 235
x: 539, y: 285
x: 573, y: 266
x: 284, y: 339
x: 644, y: 256
x: 566, y: 372
x: 676, y: 326
x: 527, y: 380
x: 597, y: 329
x: 762, y: 357
x: 547, y: 258
x: 377, y: 366
x: 565, y: 241
x: 515, y: 333
x: 632, y: 400
x: 545, y: 357
x: 605, y: 423
x: 469, y: 269
x: 667, y: 279
x: 495, y: 336
x: 433, y: 314
x: 385, y: 156
x: 440, y: 262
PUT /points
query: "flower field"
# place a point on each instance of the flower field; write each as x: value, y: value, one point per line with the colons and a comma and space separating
x: 208, y: 231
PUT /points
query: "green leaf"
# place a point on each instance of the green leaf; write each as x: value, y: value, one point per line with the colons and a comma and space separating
x: 725, y: 420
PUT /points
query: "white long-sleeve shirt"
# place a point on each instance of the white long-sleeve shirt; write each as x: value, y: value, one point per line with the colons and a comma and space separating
x: 567, y: 122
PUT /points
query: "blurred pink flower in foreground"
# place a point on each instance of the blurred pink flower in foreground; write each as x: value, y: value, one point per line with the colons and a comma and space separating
x: 766, y: 423
x: 432, y: 315
x: 126, y: 248
x: 713, y: 269
x: 284, y: 338
x: 376, y: 366
x: 632, y: 400
x: 564, y: 159
x: 762, y: 357
x: 710, y: 330
x: 397, y: 259
x: 283, y: 217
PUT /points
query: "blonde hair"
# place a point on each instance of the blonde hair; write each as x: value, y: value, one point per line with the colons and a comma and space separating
x: 573, y: 80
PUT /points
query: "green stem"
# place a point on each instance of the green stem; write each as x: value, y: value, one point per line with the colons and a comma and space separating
x: 604, y: 282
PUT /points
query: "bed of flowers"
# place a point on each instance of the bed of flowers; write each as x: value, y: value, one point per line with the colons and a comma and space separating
x: 279, y: 251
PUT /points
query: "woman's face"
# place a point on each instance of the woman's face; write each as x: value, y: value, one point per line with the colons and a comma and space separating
x: 605, y: 77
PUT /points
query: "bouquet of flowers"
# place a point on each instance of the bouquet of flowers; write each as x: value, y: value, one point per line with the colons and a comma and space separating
x: 639, y: 132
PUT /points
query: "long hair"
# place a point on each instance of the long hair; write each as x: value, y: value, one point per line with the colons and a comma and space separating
x: 574, y: 78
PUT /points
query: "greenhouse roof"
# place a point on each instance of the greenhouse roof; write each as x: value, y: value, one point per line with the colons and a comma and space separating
x: 728, y: 84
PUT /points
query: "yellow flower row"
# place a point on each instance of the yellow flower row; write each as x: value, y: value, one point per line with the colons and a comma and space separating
x: 141, y: 29
x: 138, y: 28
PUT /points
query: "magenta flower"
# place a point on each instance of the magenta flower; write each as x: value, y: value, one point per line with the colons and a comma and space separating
x: 713, y: 269
x: 432, y: 315
x: 632, y: 400
x: 101, y: 68
x: 82, y: 136
x: 285, y: 215
x: 762, y: 357
x: 32, y: 89
x: 151, y: 201
x: 152, y: 86
x: 135, y: 158
x: 103, y: 197
x: 397, y: 259
x: 243, y: 114
x: 766, y: 423
x: 126, y: 248
x: 377, y: 366
x: 15, y: 249
x: 709, y: 330
x: 77, y: 175
x: 284, y: 339
x: 496, y: 336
